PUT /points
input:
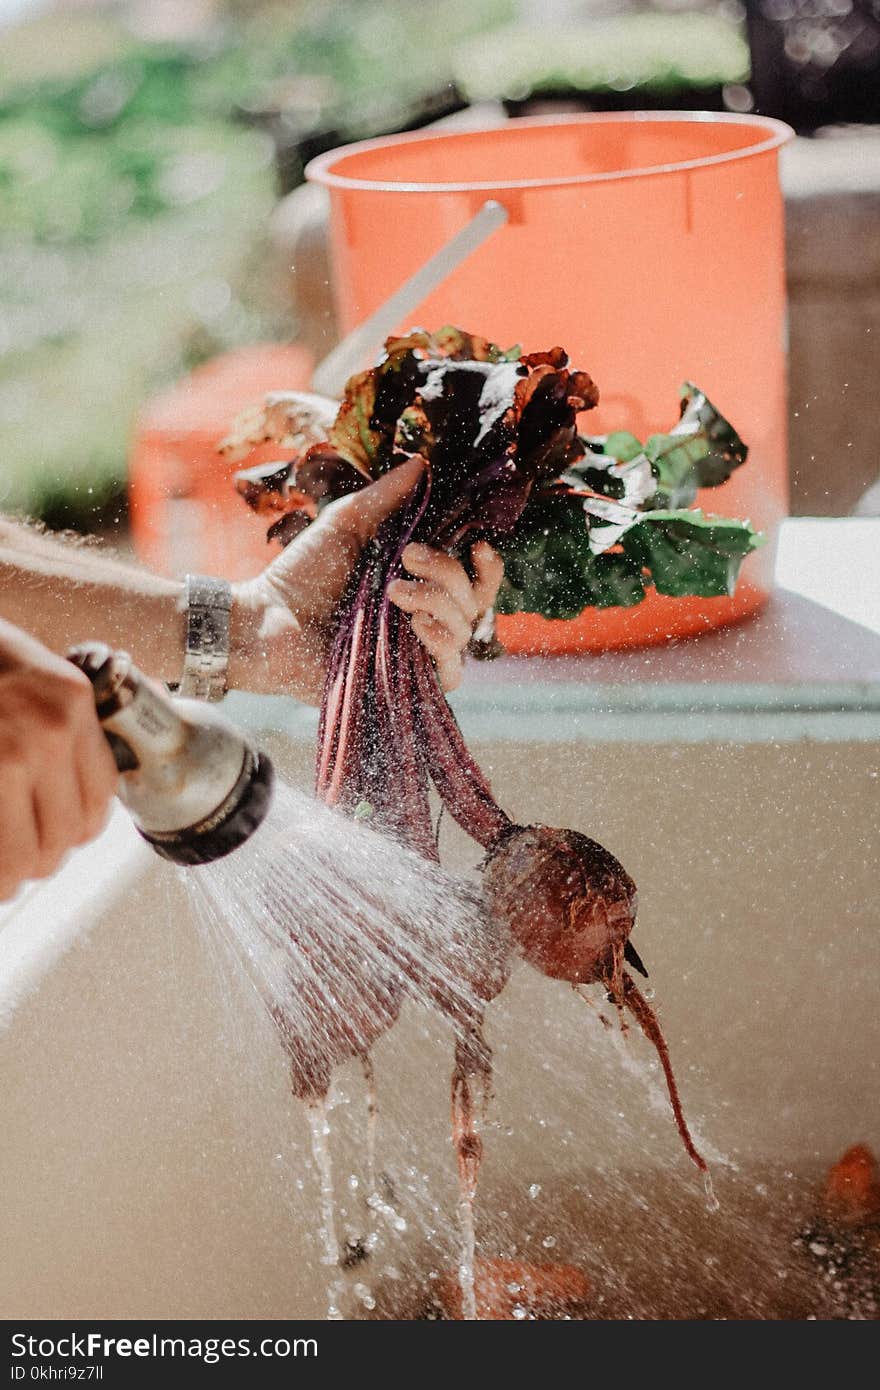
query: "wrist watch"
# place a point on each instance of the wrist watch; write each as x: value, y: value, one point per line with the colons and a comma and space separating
x: 207, y: 603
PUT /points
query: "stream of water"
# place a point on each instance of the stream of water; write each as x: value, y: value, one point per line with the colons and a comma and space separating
x: 336, y: 926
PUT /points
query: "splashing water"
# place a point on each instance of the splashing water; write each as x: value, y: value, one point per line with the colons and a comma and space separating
x: 335, y: 926
x: 712, y: 1202
x: 466, y: 1272
x: 320, y: 1130
x: 372, y: 1125
x: 375, y: 1203
x: 469, y: 1154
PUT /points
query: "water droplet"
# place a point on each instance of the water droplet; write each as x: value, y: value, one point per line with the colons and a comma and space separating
x: 548, y: 1242
x: 535, y: 1190
x: 712, y: 1202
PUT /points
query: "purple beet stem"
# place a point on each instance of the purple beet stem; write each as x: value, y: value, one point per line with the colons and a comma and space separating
x: 386, y: 727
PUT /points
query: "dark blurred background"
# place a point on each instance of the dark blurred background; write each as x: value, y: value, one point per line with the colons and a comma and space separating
x: 151, y: 157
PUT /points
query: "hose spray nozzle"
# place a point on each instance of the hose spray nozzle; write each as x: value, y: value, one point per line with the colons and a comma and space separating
x: 194, y: 785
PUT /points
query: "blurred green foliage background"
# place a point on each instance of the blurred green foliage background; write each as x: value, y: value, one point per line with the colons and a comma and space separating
x: 135, y: 186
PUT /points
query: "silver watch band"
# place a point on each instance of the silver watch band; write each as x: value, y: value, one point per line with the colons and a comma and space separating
x: 207, y: 603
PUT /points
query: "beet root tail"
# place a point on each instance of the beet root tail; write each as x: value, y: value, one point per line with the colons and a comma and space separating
x: 647, y: 1020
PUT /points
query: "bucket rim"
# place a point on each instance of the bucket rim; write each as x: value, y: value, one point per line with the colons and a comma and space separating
x: 320, y: 169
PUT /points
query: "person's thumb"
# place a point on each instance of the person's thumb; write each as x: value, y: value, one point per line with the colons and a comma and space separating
x: 363, y: 511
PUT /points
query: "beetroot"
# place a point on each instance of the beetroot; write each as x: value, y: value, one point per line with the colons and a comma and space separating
x: 568, y: 903
x: 570, y: 907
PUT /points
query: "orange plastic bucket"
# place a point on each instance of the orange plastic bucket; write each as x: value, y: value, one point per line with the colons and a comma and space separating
x: 650, y: 245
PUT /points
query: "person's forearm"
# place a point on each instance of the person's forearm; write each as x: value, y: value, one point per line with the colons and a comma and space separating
x: 62, y: 593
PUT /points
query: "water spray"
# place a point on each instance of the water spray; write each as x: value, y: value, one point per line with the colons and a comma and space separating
x: 196, y: 788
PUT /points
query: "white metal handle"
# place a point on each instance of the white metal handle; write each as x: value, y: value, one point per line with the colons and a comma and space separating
x: 331, y: 374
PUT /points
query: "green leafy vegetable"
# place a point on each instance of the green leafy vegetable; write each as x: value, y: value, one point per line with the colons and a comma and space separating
x: 686, y: 552
x: 701, y: 451
x: 377, y: 413
x: 562, y: 558
x: 622, y: 446
x: 632, y: 483
x: 550, y: 569
x: 581, y: 522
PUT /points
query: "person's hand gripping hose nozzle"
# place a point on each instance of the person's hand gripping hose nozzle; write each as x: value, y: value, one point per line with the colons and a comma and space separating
x: 194, y: 785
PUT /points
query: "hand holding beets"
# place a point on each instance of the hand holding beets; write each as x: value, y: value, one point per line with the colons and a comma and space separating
x: 290, y: 610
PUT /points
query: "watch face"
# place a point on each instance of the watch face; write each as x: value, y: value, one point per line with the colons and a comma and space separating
x: 207, y: 638
x: 207, y: 630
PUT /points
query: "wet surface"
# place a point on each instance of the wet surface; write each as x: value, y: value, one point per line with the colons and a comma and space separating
x: 646, y: 1256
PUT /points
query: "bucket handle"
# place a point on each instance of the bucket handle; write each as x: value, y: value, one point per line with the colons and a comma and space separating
x: 333, y: 371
